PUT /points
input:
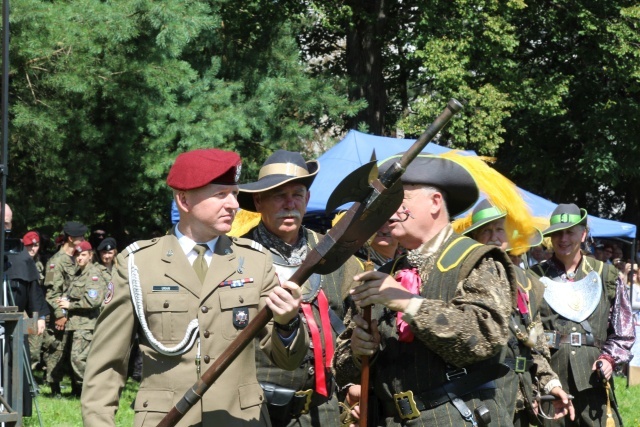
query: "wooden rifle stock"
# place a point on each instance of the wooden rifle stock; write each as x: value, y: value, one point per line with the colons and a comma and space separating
x: 342, y: 241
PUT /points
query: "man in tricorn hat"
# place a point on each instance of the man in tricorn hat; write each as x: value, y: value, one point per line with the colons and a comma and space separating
x: 526, y: 354
x: 440, y: 313
x: 188, y: 295
x: 61, y: 267
x: 306, y: 396
x: 586, y: 316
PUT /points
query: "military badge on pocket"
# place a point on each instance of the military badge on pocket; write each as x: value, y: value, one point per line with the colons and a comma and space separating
x: 240, y: 317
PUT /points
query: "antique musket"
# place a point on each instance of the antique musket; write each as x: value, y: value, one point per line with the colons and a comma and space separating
x: 375, y: 200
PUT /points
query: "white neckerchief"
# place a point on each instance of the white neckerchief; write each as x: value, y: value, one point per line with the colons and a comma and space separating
x: 187, y: 244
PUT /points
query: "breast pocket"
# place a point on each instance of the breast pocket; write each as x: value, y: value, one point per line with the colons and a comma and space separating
x: 76, y: 291
x: 237, y: 308
x: 167, y: 315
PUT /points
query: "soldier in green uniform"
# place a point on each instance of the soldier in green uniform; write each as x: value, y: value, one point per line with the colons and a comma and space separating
x: 82, y: 302
x: 440, y: 314
x: 107, y: 253
x: 61, y: 268
x: 31, y: 242
x: 526, y: 352
x: 587, y: 318
x: 307, y: 395
x: 188, y: 295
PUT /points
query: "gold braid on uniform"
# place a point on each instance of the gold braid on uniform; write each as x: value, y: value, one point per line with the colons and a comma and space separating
x: 138, y: 304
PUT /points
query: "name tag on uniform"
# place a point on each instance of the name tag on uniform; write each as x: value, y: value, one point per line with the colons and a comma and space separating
x: 166, y: 288
x: 237, y: 283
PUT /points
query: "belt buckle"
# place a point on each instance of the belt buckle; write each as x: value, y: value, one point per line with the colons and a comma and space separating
x: 454, y: 375
x: 520, y: 365
x: 406, y: 403
x: 307, y: 404
x: 576, y: 339
x: 552, y: 339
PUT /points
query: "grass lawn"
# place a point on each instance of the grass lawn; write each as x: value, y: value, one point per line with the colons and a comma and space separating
x: 65, y: 412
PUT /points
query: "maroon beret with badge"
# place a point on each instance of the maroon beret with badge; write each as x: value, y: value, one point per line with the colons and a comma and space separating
x: 197, y: 168
x: 31, y: 238
x: 83, y: 246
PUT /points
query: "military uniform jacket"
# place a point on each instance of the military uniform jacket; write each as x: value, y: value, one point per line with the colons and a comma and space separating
x: 573, y: 360
x: 173, y: 296
x: 460, y: 323
x: 86, y: 295
x: 61, y: 268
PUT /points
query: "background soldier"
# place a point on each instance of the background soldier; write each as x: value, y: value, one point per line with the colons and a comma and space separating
x: 186, y: 313
x: 305, y: 396
x: 586, y: 315
x: 441, y: 308
x: 82, y: 301
x: 61, y: 267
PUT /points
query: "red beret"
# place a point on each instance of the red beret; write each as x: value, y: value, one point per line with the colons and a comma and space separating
x: 31, y: 238
x: 83, y: 246
x: 198, y: 168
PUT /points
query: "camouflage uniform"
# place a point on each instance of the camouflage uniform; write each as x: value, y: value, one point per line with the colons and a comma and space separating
x: 461, y: 323
x: 86, y: 294
x: 35, y: 341
x: 322, y: 411
x: 61, y: 268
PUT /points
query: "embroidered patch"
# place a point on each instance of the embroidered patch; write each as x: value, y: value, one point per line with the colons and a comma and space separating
x: 110, y: 292
x: 240, y: 317
x: 237, y: 283
x: 166, y: 288
x: 52, y: 266
x: 93, y: 293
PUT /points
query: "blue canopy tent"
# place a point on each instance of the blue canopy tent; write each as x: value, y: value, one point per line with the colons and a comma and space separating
x: 356, y: 149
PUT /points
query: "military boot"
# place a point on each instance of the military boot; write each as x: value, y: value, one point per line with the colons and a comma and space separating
x: 76, y: 389
x: 55, y: 390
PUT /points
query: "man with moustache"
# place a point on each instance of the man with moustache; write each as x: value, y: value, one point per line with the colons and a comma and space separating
x: 526, y: 352
x: 306, y: 396
x: 188, y: 295
x: 439, y: 314
x: 586, y: 315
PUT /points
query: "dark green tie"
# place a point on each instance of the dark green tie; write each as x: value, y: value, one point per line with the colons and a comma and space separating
x: 200, y: 263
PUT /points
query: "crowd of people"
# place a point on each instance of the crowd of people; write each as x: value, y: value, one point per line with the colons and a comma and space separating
x: 462, y: 328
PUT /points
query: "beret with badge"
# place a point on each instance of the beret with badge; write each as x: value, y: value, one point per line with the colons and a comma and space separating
x: 74, y: 229
x: 197, y: 168
x: 107, y: 244
x: 31, y: 238
x: 82, y: 246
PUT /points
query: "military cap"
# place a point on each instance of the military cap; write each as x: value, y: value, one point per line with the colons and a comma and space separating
x: 484, y: 213
x: 282, y: 167
x: 566, y: 216
x: 107, y: 244
x: 457, y: 184
x: 31, y: 238
x: 74, y: 229
x: 197, y: 168
x: 82, y: 246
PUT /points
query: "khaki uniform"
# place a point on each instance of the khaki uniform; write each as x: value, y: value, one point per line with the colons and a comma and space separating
x: 172, y: 297
x: 461, y: 323
x: 60, y: 269
x: 285, y: 408
x: 86, y: 295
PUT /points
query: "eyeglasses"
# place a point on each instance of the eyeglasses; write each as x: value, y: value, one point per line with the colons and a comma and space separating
x: 404, y: 215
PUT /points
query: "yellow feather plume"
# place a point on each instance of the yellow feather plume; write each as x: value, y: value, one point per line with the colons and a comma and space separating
x: 243, y: 222
x: 502, y: 193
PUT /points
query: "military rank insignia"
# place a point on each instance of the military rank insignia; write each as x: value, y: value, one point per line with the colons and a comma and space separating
x: 240, y: 317
x: 237, y: 283
x: 109, y: 296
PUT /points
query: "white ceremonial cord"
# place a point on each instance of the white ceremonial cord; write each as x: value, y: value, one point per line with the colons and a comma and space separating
x: 136, y: 296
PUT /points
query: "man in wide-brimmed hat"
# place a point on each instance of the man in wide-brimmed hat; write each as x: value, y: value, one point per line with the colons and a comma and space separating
x: 306, y: 396
x: 527, y: 354
x: 586, y: 316
x: 440, y: 313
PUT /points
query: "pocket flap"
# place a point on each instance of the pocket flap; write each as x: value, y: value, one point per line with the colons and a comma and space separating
x: 250, y: 395
x: 240, y: 297
x: 153, y: 401
x: 160, y: 302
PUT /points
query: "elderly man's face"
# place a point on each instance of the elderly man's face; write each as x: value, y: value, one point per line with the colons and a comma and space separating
x: 414, y: 219
x: 282, y: 209
x: 493, y: 234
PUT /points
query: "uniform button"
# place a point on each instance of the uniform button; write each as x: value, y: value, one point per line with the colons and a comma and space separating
x: 573, y: 329
x: 204, y: 309
x: 206, y: 334
x: 241, y: 299
x: 207, y: 359
x: 145, y: 404
x: 166, y: 304
x: 573, y: 352
x: 260, y: 398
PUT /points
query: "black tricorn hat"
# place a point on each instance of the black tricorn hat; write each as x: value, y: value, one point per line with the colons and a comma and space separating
x: 484, y: 213
x: 566, y: 216
x: 280, y: 168
x: 459, y: 187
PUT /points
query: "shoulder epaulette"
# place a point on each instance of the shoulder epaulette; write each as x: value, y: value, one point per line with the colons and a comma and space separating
x: 456, y: 252
x: 243, y: 241
x: 141, y: 244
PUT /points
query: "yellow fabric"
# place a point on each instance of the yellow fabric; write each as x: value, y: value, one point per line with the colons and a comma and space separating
x: 502, y: 193
x: 243, y: 222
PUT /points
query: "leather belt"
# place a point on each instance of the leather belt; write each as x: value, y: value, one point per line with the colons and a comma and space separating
x: 284, y: 403
x: 518, y: 364
x: 576, y: 339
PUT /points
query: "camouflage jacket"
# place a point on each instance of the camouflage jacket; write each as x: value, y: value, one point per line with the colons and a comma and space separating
x: 60, y: 269
x: 86, y: 294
